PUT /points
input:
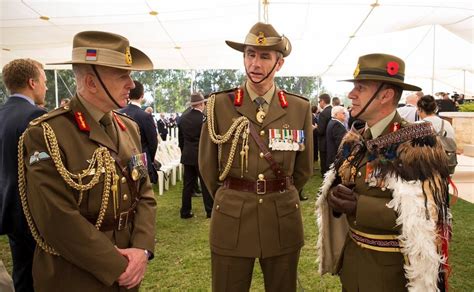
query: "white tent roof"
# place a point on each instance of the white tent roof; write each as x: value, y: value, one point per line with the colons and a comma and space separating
x: 327, y: 35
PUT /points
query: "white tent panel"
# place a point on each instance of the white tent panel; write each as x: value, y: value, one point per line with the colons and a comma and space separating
x: 190, y: 34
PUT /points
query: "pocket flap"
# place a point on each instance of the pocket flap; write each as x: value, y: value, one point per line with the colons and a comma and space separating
x: 230, y: 206
x: 285, y: 207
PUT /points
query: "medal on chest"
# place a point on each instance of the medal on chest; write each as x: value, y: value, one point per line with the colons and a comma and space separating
x: 260, y: 116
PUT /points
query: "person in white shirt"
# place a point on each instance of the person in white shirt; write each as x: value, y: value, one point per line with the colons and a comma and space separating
x: 427, y: 109
x: 409, y: 111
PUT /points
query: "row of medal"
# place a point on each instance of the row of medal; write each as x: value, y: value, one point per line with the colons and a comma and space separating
x: 286, y: 140
x: 138, y: 166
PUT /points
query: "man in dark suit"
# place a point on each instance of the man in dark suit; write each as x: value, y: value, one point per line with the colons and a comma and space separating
x: 148, y: 135
x: 324, y: 118
x: 162, y: 127
x: 188, y: 137
x: 26, y: 81
x: 335, y: 132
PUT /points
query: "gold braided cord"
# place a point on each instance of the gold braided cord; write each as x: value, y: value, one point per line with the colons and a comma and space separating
x: 101, y: 159
x: 235, y: 129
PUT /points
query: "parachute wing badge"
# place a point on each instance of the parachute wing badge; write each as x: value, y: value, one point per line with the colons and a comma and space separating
x: 39, y: 156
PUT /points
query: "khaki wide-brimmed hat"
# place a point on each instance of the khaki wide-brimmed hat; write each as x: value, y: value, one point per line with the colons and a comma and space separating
x: 382, y: 67
x: 266, y: 37
x: 107, y: 49
x: 197, y: 98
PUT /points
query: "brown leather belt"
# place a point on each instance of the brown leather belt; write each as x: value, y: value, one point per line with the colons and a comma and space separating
x: 260, y: 186
x: 111, y: 223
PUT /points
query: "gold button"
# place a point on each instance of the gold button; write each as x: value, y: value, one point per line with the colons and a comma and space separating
x: 261, y: 176
x: 218, y: 207
x: 123, y: 180
x: 45, y: 115
x: 260, y: 201
x: 384, y: 189
x: 125, y: 197
x: 261, y: 155
x: 359, y: 174
x: 66, y: 107
x: 262, y: 132
x: 297, y: 206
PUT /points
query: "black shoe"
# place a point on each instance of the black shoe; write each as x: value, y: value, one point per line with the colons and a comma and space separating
x: 208, y: 215
x: 187, y: 216
x: 196, y: 195
x: 303, y: 198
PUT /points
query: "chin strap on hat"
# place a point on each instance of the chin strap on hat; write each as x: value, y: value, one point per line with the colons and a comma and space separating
x: 246, y: 72
x: 370, y: 101
x: 103, y: 86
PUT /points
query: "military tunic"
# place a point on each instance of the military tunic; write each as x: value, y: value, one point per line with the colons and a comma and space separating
x: 88, y: 259
x: 371, y: 264
x: 246, y: 224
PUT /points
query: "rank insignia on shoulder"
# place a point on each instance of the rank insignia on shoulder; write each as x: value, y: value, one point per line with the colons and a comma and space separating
x: 38, y: 156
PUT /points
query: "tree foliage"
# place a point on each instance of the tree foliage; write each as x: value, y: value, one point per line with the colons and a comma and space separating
x: 171, y: 89
x: 209, y: 81
x: 309, y: 87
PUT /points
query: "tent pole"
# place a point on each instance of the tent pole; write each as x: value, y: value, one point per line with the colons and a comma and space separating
x: 259, y: 10
x: 464, y: 82
x: 56, y: 87
x: 434, y: 57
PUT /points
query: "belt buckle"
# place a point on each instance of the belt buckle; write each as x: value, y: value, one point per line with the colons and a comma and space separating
x: 122, y: 222
x: 261, y: 186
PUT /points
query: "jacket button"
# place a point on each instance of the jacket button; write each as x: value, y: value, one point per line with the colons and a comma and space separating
x: 125, y: 197
x: 359, y: 174
x: 261, y: 155
x: 262, y: 132
x: 218, y: 207
x: 260, y: 201
x: 297, y: 206
x: 123, y: 180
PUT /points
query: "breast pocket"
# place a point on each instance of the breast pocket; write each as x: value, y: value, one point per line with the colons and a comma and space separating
x: 226, y: 222
x: 289, y: 220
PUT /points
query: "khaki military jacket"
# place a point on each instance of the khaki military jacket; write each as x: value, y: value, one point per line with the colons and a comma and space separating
x: 245, y: 224
x: 88, y: 259
x: 394, y: 209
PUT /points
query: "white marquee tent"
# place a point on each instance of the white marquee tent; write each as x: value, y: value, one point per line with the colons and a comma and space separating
x: 435, y: 38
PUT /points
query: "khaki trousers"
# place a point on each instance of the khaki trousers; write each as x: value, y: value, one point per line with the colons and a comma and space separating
x: 235, y: 273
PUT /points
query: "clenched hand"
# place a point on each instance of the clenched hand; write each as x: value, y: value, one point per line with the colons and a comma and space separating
x: 135, y: 271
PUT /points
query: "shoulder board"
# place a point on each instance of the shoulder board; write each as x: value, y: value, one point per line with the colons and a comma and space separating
x: 123, y: 115
x: 292, y: 94
x: 224, y: 91
x: 54, y: 113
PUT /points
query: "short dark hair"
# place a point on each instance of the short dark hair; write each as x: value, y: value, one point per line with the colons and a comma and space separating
x: 17, y: 73
x: 325, y: 97
x: 336, y: 101
x: 137, y: 92
x: 427, y: 104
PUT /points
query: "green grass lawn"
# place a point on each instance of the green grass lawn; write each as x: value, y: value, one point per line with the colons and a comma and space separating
x: 182, y: 255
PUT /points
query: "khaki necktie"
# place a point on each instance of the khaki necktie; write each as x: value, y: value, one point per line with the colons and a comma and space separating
x: 108, y: 123
x: 367, y: 134
x: 260, y: 101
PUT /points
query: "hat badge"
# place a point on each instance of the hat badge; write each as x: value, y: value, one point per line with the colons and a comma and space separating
x: 261, y: 39
x: 357, y: 71
x: 128, y: 56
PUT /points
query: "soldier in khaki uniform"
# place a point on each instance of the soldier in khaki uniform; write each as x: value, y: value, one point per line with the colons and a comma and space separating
x: 383, y: 214
x: 255, y: 187
x: 84, y: 185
